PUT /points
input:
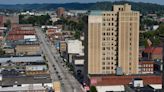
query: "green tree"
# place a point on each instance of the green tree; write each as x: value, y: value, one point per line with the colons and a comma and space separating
x: 35, y: 20
x: 77, y: 34
x: 93, y: 89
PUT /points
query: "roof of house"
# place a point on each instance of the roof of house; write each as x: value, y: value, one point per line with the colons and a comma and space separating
x: 154, y: 50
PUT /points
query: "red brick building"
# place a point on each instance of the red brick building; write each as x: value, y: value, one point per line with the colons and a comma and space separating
x: 1, y: 21
x: 60, y: 11
x: 14, y: 37
x: 123, y: 80
x: 17, y: 33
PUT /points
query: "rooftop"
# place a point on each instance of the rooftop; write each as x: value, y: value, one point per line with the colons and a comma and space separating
x: 94, y: 13
x: 154, y: 50
x: 124, y: 80
x: 22, y: 59
x: 18, y: 80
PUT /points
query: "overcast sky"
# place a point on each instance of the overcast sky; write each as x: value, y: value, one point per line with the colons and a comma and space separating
x: 68, y: 1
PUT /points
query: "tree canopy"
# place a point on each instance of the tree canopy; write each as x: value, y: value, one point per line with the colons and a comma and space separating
x: 35, y: 20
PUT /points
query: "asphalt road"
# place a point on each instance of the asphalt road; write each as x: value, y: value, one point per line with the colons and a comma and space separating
x: 57, y: 71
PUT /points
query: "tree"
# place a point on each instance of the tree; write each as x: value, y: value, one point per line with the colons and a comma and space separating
x: 77, y: 34
x: 93, y: 89
x: 35, y: 20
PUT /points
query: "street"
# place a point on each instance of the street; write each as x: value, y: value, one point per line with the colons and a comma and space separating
x: 57, y: 71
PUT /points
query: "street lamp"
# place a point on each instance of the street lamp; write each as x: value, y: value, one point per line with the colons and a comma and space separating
x: 162, y: 40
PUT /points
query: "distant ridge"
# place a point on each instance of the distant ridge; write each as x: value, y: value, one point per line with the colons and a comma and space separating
x: 139, y: 6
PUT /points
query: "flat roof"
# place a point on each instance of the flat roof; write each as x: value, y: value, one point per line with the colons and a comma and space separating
x: 94, y: 13
x: 156, y: 86
x: 22, y: 59
x: 110, y: 88
x: 26, y: 88
x: 18, y: 80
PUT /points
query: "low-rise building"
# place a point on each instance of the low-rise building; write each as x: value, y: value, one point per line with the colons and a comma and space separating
x: 36, y: 69
x: 24, y: 59
x: 39, y: 83
x: 106, y: 80
x: 74, y: 47
x: 63, y: 47
x: 9, y: 50
x: 78, y: 64
x: 28, y: 49
x: 18, y: 66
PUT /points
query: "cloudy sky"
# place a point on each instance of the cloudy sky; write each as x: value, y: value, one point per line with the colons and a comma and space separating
x: 68, y: 1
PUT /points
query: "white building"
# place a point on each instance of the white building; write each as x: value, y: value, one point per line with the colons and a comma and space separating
x: 54, y: 18
x: 36, y: 67
x: 30, y: 37
x: 114, y: 88
x: 75, y: 47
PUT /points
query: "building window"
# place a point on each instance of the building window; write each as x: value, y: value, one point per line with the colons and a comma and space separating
x: 130, y: 63
x: 130, y: 39
x: 130, y: 29
x: 108, y: 48
x: 130, y: 34
x: 130, y: 48
x: 130, y: 58
x: 130, y: 53
x: 107, y: 58
x: 107, y: 67
x: 131, y: 19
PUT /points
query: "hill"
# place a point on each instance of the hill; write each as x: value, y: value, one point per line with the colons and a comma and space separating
x: 139, y: 6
